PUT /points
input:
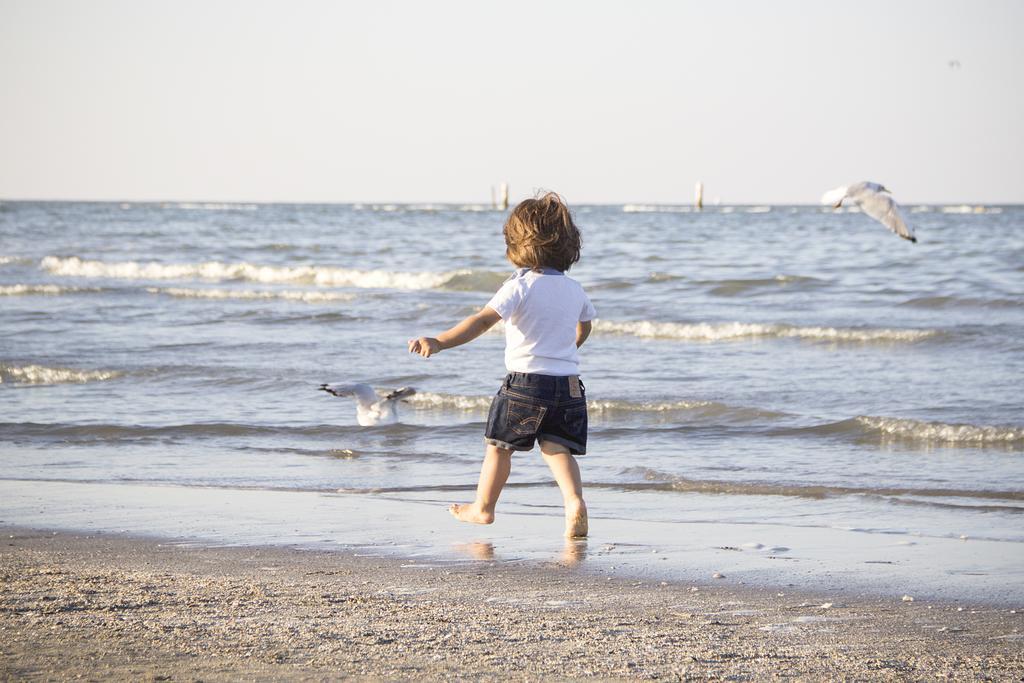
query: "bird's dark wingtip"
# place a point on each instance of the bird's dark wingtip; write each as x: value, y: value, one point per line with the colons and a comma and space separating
x: 404, y: 392
x: 913, y: 239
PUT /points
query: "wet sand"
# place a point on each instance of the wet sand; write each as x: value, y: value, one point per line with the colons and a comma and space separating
x: 811, y: 557
x: 116, y: 607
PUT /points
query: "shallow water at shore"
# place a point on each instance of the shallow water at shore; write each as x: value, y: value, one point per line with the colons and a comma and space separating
x: 774, y: 544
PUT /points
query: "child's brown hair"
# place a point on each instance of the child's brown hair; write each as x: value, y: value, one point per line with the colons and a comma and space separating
x: 540, y: 232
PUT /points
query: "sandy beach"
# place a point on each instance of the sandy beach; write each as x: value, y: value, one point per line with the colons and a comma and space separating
x: 121, y: 607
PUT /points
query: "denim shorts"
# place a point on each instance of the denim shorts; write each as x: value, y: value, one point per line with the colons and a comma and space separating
x: 529, y: 407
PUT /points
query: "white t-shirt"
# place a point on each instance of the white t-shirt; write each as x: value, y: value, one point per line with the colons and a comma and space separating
x: 540, y: 310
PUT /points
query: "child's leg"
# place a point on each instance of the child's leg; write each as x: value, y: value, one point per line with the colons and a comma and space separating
x: 493, y: 475
x: 567, y: 473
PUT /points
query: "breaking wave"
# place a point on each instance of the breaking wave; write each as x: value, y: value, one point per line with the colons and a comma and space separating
x: 653, y: 479
x: 205, y: 206
x: 607, y: 408
x: 916, y: 430
x: 426, y: 400
x: 462, y: 280
x: 312, y: 296
x: 49, y: 290
x: 704, y: 409
x: 397, y: 208
x: 685, y: 208
x: 39, y: 374
x: 713, y: 332
x: 656, y: 208
x: 966, y: 208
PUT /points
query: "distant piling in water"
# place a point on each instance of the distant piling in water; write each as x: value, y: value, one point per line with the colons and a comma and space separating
x: 698, y: 195
x: 503, y: 198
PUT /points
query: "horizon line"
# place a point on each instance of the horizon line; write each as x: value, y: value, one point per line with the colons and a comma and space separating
x: 265, y: 202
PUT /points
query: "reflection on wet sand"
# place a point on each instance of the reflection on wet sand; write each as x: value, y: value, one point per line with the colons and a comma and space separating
x: 575, y: 551
x: 478, y: 550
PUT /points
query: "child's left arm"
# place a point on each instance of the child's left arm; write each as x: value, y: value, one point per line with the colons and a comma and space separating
x: 582, y: 332
x: 465, y: 331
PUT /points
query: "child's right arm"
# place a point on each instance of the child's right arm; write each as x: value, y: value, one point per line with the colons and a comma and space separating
x: 466, y: 331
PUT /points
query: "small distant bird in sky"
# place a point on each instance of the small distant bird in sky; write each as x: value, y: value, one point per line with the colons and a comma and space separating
x: 954, y: 64
x: 371, y: 409
x: 874, y: 200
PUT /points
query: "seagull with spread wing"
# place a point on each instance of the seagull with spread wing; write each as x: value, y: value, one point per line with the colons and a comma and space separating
x: 874, y: 200
x: 371, y: 409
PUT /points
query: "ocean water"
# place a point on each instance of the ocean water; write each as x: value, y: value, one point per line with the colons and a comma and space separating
x: 782, y: 365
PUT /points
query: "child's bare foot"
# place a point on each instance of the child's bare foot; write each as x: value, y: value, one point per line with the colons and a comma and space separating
x: 470, y: 512
x: 576, y: 525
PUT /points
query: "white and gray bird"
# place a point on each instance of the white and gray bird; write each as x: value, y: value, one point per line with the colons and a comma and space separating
x: 371, y: 409
x: 874, y: 200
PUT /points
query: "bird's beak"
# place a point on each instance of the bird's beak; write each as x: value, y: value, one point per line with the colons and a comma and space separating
x: 837, y: 204
x: 886, y: 189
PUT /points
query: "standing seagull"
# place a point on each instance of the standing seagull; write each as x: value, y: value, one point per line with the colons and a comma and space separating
x: 875, y: 201
x: 371, y: 409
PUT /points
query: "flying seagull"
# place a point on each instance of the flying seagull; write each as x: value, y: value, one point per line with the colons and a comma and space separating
x: 874, y: 200
x: 371, y: 409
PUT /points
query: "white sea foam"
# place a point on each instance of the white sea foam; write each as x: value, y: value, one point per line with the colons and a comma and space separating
x: 39, y: 374
x: 392, y: 208
x: 937, y: 431
x: 965, y: 208
x: 712, y: 332
x: 428, y: 400
x: 210, y: 206
x: 440, y: 401
x: 24, y: 290
x: 655, y: 208
x: 305, y: 296
x: 317, y: 275
x: 646, y: 406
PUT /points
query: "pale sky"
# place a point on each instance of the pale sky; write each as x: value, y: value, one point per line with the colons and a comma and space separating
x: 605, y: 102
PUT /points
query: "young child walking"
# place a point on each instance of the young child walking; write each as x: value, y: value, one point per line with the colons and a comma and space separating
x: 547, y: 318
